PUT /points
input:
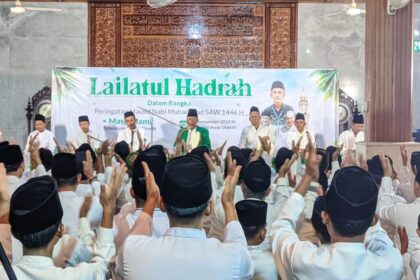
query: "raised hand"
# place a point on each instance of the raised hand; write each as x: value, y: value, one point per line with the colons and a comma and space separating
x: 34, y: 154
x: 404, y: 155
x: 88, y: 166
x: 210, y: 164
x: 402, y: 233
x: 361, y: 162
x: 347, y: 159
x: 4, y: 196
x: 60, y: 148
x: 296, y: 146
x: 221, y: 148
x: 386, y: 164
x: 109, y: 194
x: 337, y: 153
x: 87, y: 202
x: 266, y: 147
x: 152, y: 190
x: 312, y: 166
x: 284, y: 169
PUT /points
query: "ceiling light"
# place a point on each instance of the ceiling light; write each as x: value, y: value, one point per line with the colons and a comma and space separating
x: 17, y: 9
x: 353, y: 11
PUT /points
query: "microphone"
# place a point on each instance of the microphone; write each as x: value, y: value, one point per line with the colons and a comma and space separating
x: 94, y: 138
x: 160, y: 117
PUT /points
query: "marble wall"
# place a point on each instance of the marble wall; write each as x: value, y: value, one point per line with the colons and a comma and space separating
x: 333, y: 42
x: 416, y: 67
x: 33, y: 42
x: 30, y: 45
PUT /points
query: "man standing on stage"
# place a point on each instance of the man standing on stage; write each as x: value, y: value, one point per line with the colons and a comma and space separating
x: 44, y: 137
x: 278, y: 110
x: 250, y: 134
x: 86, y: 136
x: 349, y: 137
x: 193, y: 135
x: 298, y: 133
x: 132, y: 135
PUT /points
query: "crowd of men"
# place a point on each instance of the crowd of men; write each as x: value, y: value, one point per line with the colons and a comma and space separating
x: 260, y: 210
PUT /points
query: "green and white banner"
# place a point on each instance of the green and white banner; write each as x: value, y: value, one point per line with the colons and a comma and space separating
x: 160, y: 97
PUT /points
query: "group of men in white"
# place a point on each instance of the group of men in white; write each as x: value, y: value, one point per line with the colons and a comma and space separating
x: 262, y: 210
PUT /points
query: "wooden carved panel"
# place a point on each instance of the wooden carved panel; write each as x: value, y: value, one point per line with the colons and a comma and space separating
x: 192, y: 35
x: 104, y: 24
x: 282, y: 37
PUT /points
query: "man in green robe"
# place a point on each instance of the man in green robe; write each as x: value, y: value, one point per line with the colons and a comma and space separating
x: 193, y: 135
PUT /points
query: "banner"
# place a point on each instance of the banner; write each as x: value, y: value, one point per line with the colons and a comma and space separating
x: 223, y: 98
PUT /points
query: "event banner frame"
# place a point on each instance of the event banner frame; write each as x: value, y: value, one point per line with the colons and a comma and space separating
x: 161, y: 97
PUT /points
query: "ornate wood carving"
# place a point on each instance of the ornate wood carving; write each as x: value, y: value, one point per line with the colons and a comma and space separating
x: 104, y: 24
x: 282, y: 37
x: 191, y: 35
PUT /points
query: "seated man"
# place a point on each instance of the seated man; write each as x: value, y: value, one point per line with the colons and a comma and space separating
x: 35, y: 219
x: 156, y: 160
x: 252, y: 214
x: 86, y: 135
x: 355, y: 252
x: 65, y: 172
x: 41, y: 135
x: 193, y: 135
x: 184, y: 252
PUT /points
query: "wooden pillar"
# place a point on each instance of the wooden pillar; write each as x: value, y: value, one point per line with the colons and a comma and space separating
x: 389, y: 72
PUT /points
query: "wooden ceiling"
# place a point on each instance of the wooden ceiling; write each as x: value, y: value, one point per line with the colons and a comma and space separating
x: 205, y: 1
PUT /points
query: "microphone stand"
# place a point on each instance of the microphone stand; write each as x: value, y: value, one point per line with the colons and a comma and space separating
x: 151, y: 130
x: 160, y: 117
x: 94, y: 138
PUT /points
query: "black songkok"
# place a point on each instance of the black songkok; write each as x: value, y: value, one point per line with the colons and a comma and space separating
x: 86, y: 147
x: 35, y: 206
x: 352, y: 196
x: 251, y: 212
x: 122, y: 149
x: 39, y: 117
x: 282, y: 154
x: 64, y: 166
x: 11, y: 154
x: 277, y: 84
x: 186, y: 182
x: 156, y: 160
x: 192, y: 113
x: 200, y: 151
x: 299, y: 116
x: 257, y: 176
x: 83, y: 119
x: 129, y: 114
x: 254, y: 109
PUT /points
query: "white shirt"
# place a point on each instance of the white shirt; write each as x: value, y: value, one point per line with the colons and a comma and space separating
x: 294, y: 135
x: 45, y: 140
x: 82, y: 138
x: 376, y: 258
x: 14, y: 182
x: 124, y: 221
x: 42, y: 268
x: 415, y: 261
x: 280, y: 195
x: 392, y: 215
x: 264, y: 266
x: 250, y: 136
x: 71, y: 204
x: 348, y: 140
x: 127, y: 135
x: 184, y: 253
